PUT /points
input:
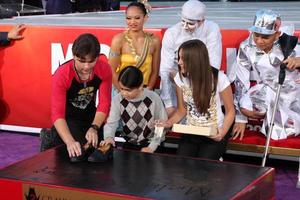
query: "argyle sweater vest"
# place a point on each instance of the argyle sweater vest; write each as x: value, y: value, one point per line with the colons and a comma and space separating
x: 136, y: 117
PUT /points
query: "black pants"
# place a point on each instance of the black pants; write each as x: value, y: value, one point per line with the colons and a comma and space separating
x: 51, y: 138
x: 202, y: 147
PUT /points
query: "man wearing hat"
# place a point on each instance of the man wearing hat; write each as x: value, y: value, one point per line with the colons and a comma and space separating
x: 259, y: 58
x: 193, y: 25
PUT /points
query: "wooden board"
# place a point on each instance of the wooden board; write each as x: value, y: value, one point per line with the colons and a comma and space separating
x: 195, y: 130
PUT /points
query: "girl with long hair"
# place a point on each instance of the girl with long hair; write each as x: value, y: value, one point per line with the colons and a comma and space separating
x: 201, y: 91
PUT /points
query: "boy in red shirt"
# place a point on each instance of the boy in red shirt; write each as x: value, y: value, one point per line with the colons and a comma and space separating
x: 74, y: 114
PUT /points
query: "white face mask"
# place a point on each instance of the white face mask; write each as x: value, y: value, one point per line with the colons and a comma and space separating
x: 189, y: 25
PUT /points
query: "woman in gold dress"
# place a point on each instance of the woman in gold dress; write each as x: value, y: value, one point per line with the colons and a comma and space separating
x: 136, y: 47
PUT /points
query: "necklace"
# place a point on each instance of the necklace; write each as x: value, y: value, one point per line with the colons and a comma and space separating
x: 80, y: 79
x: 132, y: 48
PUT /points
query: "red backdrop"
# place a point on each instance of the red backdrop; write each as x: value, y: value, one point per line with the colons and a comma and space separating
x: 25, y: 69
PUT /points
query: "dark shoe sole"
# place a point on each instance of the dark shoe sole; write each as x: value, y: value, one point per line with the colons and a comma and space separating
x: 99, y: 156
x: 97, y: 160
x: 83, y: 157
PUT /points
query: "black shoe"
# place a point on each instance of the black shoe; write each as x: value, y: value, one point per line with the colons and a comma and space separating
x: 47, y: 139
x: 86, y: 150
x: 102, y: 154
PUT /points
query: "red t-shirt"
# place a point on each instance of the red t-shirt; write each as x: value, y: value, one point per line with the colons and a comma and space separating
x: 73, y: 98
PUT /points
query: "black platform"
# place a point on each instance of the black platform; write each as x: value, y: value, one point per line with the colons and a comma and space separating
x: 134, y: 175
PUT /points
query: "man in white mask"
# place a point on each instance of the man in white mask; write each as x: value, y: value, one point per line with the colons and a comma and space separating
x: 193, y: 25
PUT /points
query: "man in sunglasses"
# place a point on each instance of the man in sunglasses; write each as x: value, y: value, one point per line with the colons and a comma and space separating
x: 259, y: 59
x: 193, y: 25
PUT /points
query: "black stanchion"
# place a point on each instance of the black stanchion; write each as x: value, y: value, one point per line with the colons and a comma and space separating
x: 287, y: 44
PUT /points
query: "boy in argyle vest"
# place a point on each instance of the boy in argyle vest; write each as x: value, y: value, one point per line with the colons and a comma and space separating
x: 137, y: 108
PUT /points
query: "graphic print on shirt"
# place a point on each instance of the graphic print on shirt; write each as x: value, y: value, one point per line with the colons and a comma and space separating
x: 82, y: 95
x: 85, y: 96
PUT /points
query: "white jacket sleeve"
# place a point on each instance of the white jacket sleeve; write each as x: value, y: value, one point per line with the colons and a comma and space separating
x: 167, y: 67
x: 242, y: 83
x: 214, y: 46
x: 113, y: 119
x: 159, y: 114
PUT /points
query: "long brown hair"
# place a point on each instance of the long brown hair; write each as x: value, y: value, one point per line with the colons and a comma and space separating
x: 202, y: 76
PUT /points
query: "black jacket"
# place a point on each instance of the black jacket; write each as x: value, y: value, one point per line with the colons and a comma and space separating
x: 3, y: 39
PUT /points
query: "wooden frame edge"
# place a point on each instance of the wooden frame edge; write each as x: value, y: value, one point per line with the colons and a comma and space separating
x: 260, y: 149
